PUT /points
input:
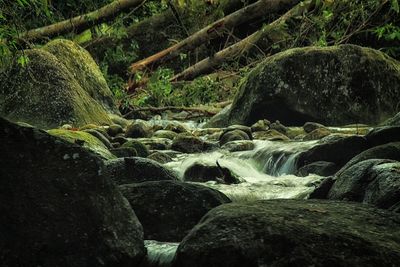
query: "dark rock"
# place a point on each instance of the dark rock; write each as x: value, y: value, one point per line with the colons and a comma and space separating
x: 219, y: 120
x: 156, y: 143
x: 199, y: 172
x: 55, y: 208
x: 168, y: 210
x: 292, y: 233
x: 338, y: 150
x: 114, y: 129
x: 311, y: 126
x: 270, y: 135
x: 243, y: 128
x: 176, y: 127
x: 335, y: 85
x: 136, y: 170
x: 383, y: 135
x: 373, y: 181
x: 141, y: 149
x: 322, y: 168
x: 160, y: 157
x: 138, y: 129
x: 119, y: 139
x: 165, y: 134
x: 124, y: 152
x: 232, y: 135
x: 188, y: 144
x: 386, y: 151
x: 322, y: 190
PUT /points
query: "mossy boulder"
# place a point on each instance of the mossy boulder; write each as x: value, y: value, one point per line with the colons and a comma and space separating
x: 292, y: 233
x: 85, y: 71
x: 84, y: 139
x: 51, y: 91
x: 332, y: 85
x: 56, y: 209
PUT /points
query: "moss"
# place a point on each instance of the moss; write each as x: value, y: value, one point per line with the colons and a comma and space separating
x: 87, y: 141
x: 46, y: 94
x: 84, y: 69
x: 140, y: 148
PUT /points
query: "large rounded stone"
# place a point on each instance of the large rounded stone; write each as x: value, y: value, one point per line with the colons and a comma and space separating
x: 292, y: 233
x: 331, y: 85
x: 56, y: 210
x: 168, y: 210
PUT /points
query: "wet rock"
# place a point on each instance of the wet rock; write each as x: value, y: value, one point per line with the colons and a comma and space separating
x: 270, y: 135
x: 321, y: 84
x: 115, y: 129
x: 188, y: 144
x: 373, y: 181
x: 55, y: 208
x: 316, y: 134
x: 176, y: 127
x: 311, y: 126
x: 322, y: 190
x: 138, y: 129
x: 124, y: 152
x: 386, y: 151
x: 261, y: 125
x: 168, y: 210
x: 160, y: 157
x: 239, y: 145
x: 116, y: 119
x: 136, y: 170
x: 232, y: 135
x: 292, y: 233
x: 86, y: 140
x: 336, y: 149
x: 119, y: 139
x: 278, y: 126
x: 219, y: 120
x: 322, y: 168
x: 141, y: 149
x: 383, y: 135
x: 165, y: 134
x: 200, y: 172
x: 243, y: 128
x: 99, y: 136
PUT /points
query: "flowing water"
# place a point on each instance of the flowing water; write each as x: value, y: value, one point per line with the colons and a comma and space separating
x: 159, y: 254
x: 267, y: 171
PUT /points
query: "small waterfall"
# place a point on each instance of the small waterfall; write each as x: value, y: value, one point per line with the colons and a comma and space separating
x: 159, y: 254
x: 267, y: 171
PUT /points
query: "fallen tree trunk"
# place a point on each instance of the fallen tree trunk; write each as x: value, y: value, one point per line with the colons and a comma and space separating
x: 207, y: 65
x: 256, y: 10
x: 81, y: 22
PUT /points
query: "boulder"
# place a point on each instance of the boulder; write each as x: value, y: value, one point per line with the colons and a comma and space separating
x: 382, y: 135
x: 141, y: 149
x: 292, y: 233
x: 232, y: 135
x: 85, y: 71
x: 261, y: 125
x: 55, y: 208
x: 136, y: 170
x: 49, y: 92
x: 138, y: 129
x: 394, y: 121
x: 165, y: 134
x: 322, y: 168
x: 335, y: 85
x: 115, y: 129
x: 124, y: 152
x: 168, y: 210
x: 270, y: 135
x: 311, y: 126
x: 334, y: 149
x: 160, y: 157
x: 373, y: 181
x: 316, y: 134
x: 84, y: 139
x: 190, y: 144
x: 99, y: 135
x: 386, y: 151
x: 200, y: 172
x: 278, y: 126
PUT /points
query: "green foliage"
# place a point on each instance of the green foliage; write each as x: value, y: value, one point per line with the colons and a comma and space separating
x: 159, y: 87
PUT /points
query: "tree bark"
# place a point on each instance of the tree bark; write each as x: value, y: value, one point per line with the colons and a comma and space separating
x: 207, y: 65
x: 256, y: 10
x: 81, y: 22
